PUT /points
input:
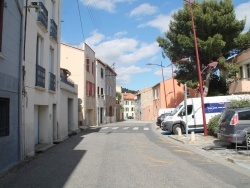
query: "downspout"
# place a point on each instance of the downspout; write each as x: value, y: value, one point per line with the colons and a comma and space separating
x: 20, y: 125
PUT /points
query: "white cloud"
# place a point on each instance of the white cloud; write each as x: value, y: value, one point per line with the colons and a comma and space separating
x: 143, y: 9
x: 125, y: 73
x: 120, y: 34
x: 122, y: 51
x: 161, y: 22
x: 107, y: 5
x: 242, y: 12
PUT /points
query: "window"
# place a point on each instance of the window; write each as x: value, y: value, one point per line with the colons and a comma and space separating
x: 90, y: 89
x: 248, y: 70
x: 132, y: 102
x: 87, y: 65
x: 244, y: 115
x: 101, y: 72
x: 39, y: 50
x: 97, y: 90
x: 51, y: 60
x: 241, y: 72
x: 92, y: 67
x: 4, y: 116
x: 1, y: 22
x: 132, y: 109
x: 101, y: 91
x: 127, y: 109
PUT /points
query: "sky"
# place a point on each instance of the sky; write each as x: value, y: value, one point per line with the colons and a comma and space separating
x: 123, y: 33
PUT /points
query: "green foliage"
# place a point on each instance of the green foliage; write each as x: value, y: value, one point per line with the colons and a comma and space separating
x: 219, y: 36
x: 213, y: 125
x: 241, y: 103
x: 118, y: 95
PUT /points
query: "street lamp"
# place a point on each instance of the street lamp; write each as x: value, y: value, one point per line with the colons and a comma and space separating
x: 212, y: 64
x: 182, y: 59
x: 162, y: 79
x: 198, y: 67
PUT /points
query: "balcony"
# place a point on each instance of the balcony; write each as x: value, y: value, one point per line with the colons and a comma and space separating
x: 40, y: 76
x: 42, y: 18
x: 53, y: 31
x: 240, y: 86
x: 52, y: 82
x: 66, y: 80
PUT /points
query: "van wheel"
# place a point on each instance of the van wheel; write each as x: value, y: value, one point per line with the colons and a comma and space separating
x: 175, y: 128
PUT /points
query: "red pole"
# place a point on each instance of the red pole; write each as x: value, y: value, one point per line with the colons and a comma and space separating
x: 199, y: 70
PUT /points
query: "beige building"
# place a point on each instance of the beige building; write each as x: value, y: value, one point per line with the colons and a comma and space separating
x: 241, y: 84
x: 110, y: 95
x: 81, y: 64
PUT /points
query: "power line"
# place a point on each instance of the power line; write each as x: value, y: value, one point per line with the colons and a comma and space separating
x: 80, y: 19
x: 93, y: 17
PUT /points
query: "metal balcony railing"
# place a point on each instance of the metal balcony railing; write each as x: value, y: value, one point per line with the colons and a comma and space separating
x: 53, y: 30
x: 40, y: 76
x: 67, y: 80
x: 43, y: 16
x: 52, y: 82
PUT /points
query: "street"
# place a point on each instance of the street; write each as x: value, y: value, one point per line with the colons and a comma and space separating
x: 124, y: 154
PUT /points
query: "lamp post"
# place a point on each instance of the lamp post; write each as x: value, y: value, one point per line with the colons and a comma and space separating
x: 198, y: 67
x: 182, y: 59
x: 162, y: 79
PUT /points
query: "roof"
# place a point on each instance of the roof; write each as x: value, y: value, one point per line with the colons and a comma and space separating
x: 128, y: 96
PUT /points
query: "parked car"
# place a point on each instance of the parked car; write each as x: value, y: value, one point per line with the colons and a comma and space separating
x: 234, y: 126
x: 161, y: 118
x: 130, y: 117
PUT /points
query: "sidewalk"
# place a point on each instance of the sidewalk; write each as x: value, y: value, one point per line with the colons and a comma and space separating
x: 216, y: 147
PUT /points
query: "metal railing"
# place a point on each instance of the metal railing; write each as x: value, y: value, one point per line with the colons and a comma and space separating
x: 43, y: 16
x: 53, y: 29
x: 40, y: 76
x: 52, y: 82
x: 67, y: 80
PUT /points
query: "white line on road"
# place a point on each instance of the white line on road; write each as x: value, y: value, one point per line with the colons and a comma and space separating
x: 146, y: 128
x: 115, y: 127
x: 125, y: 128
x: 105, y: 127
x: 135, y: 128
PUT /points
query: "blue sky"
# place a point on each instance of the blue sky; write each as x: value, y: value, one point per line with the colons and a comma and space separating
x: 124, y: 32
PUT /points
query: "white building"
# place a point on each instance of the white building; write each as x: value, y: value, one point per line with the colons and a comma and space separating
x: 100, y: 92
x: 41, y: 74
x: 128, y: 105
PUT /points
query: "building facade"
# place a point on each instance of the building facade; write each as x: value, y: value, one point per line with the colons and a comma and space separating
x: 241, y: 84
x: 128, y: 105
x: 10, y: 85
x: 100, y: 92
x: 41, y: 73
x: 110, y: 95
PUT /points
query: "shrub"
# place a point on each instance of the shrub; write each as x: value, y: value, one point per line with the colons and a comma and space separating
x: 243, y: 102
x: 213, y: 125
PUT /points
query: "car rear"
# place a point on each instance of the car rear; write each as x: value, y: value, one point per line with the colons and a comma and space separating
x: 231, y: 124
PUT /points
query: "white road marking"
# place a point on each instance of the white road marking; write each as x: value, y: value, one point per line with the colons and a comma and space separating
x: 105, y: 127
x: 135, y: 128
x: 125, y: 128
x: 146, y: 128
x: 115, y: 127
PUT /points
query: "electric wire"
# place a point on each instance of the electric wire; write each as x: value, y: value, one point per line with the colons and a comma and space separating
x: 80, y: 20
x: 94, y: 17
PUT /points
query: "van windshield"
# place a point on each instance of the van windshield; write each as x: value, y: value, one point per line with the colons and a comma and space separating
x: 176, y: 109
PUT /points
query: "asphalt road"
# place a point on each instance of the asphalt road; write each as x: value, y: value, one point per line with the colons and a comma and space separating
x: 125, y: 154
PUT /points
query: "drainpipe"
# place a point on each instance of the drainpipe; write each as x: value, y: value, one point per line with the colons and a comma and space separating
x: 20, y: 124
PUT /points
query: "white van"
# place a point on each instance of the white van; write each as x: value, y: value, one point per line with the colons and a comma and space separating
x: 165, y: 110
x: 213, y: 106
